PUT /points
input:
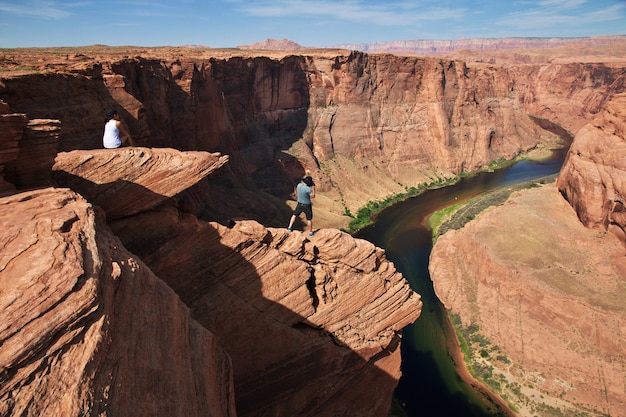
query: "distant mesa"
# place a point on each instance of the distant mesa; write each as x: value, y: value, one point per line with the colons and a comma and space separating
x: 430, y: 47
x: 273, y: 45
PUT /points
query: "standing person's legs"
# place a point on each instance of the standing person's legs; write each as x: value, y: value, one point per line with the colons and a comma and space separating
x: 296, y: 213
x: 309, y: 218
x: 293, y: 219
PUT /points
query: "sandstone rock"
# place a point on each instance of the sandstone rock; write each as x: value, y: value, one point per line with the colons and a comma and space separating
x: 27, y: 150
x: 87, y: 329
x: 12, y: 128
x: 312, y: 324
x: 593, y: 178
x: 548, y: 292
x: 273, y: 44
x: 130, y: 180
x: 37, y: 150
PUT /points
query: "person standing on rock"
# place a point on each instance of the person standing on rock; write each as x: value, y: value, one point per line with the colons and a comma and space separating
x: 305, y: 191
x: 114, y: 132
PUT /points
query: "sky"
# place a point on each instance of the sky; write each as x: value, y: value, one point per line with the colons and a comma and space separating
x: 315, y: 23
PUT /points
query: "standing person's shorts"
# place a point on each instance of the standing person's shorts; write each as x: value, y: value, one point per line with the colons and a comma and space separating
x: 307, y: 209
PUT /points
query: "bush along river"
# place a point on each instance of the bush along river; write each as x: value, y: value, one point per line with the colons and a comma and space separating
x: 430, y: 384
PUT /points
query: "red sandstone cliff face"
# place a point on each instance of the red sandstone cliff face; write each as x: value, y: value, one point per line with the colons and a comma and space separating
x: 367, y: 126
x: 311, y: 323
x: 88, y: 329
x: 593, y: 178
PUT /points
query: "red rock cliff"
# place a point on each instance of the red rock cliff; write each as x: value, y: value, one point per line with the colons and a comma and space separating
x: 366, y: 125
x: 88, y: 329
x: 593, y: 178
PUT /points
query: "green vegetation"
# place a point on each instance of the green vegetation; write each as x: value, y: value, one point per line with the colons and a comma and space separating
x: 456, y: 216
x: 366, y: 214
x: 478, y: 354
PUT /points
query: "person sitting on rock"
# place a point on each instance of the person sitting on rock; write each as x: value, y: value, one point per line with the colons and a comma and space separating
x: 114, y: 132
x: 305, y: 191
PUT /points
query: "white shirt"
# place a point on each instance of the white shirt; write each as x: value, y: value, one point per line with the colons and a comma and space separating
x: 111, y: 138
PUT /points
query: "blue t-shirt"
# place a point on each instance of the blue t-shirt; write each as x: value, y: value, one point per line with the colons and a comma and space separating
x: 304, y: 193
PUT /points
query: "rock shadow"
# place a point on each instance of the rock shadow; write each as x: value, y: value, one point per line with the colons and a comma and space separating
x: 230, y: 278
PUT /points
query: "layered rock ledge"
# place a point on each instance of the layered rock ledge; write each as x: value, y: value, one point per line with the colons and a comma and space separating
x: 130, y: 180
x: 312, y: 323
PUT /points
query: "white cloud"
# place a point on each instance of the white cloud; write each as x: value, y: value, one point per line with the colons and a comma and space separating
x: 45, y: 9
x: 547, y: 19
x: 562, y: 4
x: 403, y: 13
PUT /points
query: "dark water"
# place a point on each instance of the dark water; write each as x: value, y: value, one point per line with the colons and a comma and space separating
x: 429, y: 385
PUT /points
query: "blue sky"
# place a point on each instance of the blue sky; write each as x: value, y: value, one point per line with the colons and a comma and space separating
x: 324, y: 23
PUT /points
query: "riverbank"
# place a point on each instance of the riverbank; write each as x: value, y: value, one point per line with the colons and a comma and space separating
x: 453, y: 218
x: 495, y: 403
x: 524, y: 277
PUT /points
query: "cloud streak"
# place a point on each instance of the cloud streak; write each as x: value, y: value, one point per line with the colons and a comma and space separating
x: 354, y: 11
x: 41, y: 9
x: 564, y: 13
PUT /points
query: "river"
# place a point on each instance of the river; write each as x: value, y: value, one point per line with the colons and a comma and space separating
x: 430, y: 385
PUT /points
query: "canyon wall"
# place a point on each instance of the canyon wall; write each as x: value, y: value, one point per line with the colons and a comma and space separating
x: 593, y: 178
x: 88, y: 329
x: 367, y: 126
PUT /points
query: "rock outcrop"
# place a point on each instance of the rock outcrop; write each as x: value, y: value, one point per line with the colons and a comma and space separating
x: 593, y: 178
x: 27, y: 149
x: 88, y: 329
x: 130, y: 180
x: 312, y: 323
x: 547, y: 295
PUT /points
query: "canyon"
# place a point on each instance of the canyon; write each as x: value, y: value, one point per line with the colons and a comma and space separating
x: 188, y: 296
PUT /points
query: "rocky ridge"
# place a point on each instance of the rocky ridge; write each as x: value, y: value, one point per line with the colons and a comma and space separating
x: 429, y: 47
